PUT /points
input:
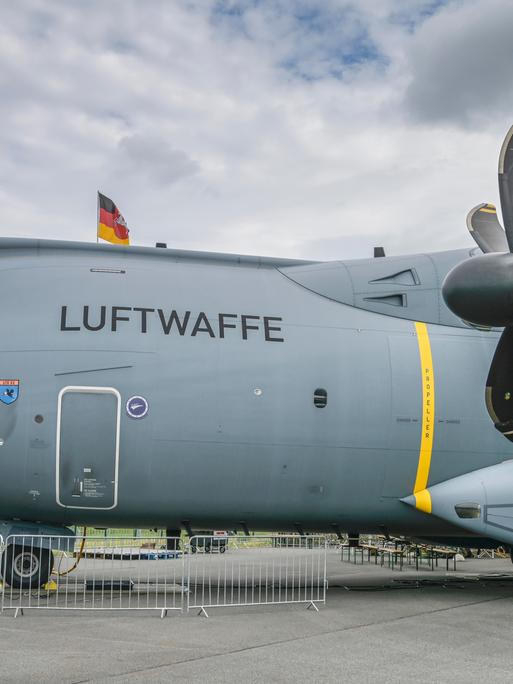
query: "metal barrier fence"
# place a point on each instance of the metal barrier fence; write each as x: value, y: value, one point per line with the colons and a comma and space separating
x: 236, y: 571
x: 159, y: 573
x: 92, y: 573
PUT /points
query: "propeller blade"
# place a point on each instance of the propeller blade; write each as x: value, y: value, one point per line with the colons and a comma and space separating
x: 499, y: 385
x: 480, y: 290
x: 506, y: 185
x: 486, y: 230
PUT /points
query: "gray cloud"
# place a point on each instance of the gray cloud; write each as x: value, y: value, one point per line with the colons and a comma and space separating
x: 284, y: 130
x: 156, y: 159
x: 461, y: 62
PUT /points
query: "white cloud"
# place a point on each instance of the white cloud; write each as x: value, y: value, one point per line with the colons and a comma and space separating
x: 307, y: 128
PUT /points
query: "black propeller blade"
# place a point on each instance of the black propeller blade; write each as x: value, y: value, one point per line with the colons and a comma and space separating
x: 480, y: 289
x: 505, y: 185
x: 499, y: 385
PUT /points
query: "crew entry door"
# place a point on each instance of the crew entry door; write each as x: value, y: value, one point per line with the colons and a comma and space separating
x: 87, y: 447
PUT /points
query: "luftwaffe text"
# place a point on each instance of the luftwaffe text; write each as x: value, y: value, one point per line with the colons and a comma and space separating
x: 171, y: 322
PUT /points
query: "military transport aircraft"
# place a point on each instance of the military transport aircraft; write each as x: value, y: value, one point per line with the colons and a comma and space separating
x: 150, y: 387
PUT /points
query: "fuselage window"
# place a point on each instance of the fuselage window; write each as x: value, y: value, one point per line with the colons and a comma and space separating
x: 320, y: 398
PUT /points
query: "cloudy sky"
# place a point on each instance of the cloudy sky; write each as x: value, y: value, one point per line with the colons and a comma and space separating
x: 301, y: 128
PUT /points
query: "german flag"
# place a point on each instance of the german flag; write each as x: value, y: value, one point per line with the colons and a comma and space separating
x: 111, y: 224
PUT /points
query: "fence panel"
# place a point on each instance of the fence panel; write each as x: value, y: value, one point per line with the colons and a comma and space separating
x: 235, y: 571
x: 159, y: 573
x: 93, y: 573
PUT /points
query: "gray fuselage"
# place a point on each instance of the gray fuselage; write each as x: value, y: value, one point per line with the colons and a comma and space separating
x: 227, y: 353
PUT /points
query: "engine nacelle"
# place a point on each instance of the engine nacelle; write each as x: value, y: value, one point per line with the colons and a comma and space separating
x: 480, y: 502
x: 480, y: 290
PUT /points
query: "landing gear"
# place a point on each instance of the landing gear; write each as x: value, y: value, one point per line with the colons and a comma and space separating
x: 25, y: 567
x: 173, y: 539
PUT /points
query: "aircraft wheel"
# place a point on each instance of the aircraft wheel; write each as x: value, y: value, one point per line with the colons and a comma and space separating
x: 26, y: 568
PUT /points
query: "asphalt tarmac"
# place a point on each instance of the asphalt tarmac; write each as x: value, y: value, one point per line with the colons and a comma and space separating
x: 378, y: 626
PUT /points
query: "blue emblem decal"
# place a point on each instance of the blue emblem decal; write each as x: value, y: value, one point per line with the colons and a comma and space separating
x: 137, y: 407
x: 9, y: 391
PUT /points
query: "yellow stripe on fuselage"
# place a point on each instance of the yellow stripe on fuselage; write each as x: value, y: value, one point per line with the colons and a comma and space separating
x: 422, y: 495
x: 423, y: 501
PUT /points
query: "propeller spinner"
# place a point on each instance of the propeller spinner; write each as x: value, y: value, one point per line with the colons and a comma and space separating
x: 480, y: 290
